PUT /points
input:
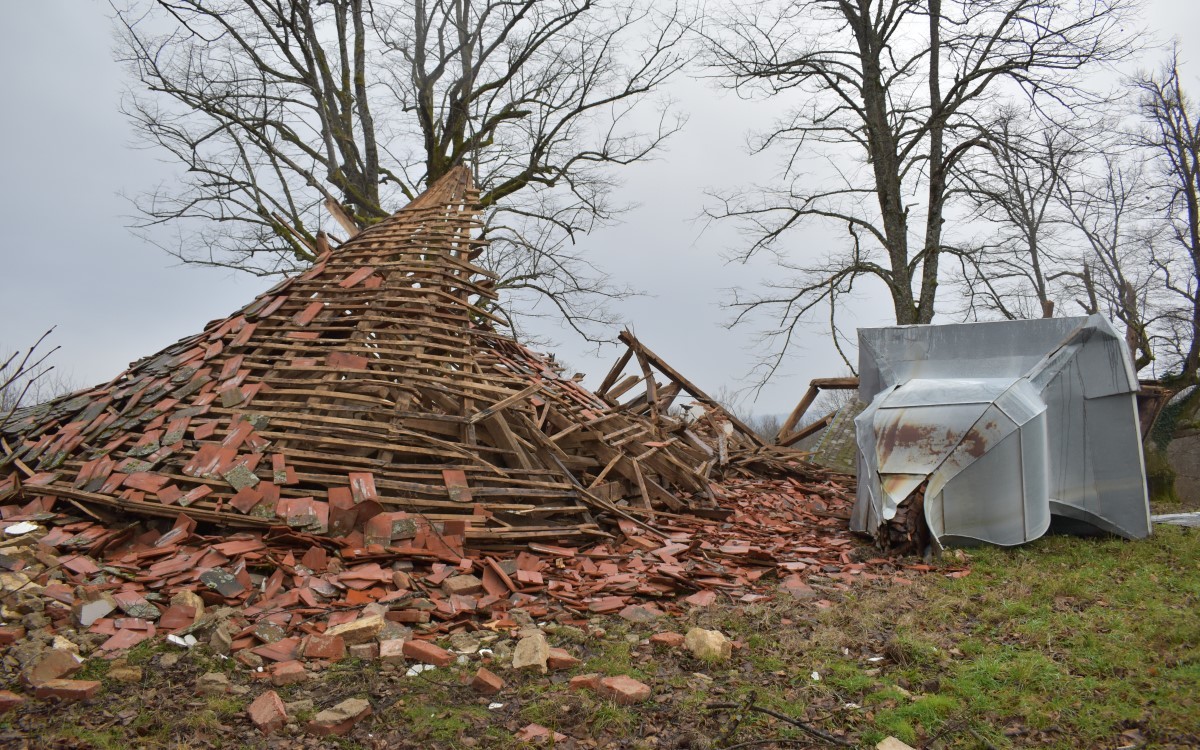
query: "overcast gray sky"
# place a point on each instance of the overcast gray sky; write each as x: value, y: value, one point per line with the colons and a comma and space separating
x: 69, y: 261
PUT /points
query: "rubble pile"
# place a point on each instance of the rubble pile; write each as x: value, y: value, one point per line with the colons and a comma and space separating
x: 284, y: 595
x: 359, y: 463
x: 371, y: 399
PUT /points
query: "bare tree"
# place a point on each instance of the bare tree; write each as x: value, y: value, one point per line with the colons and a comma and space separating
x: 1172, y: 137
x: 26, y: 378
x: 895, y: 94
x: 1112, y: 214
x: 276, y: 109
x: 1014, y: 187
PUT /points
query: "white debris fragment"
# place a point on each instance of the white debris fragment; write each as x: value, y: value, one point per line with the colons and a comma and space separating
x: 24, y: 527
x: 417, y: 669
x: 186, y: 641
x: 816, y: 676
x: 495, y: 706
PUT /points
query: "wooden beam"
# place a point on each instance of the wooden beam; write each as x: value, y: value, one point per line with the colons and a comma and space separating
x: 505, y: 403
x: 835, y: 384
x: 687, y: 385
x: 815, y: 427
x: 651, y: 386
x: 620, y: 389
x: 790, y: 423
x: 341, y: 217
x: 614, y: 373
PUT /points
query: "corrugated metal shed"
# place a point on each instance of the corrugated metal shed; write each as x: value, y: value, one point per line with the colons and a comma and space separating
x: 1006, y: 425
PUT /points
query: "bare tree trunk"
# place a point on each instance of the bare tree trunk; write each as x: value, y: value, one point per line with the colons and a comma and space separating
x: 911, y: 100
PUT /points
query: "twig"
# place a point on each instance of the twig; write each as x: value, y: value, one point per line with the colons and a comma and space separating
x: 729, y: 733
x: 769, y: 741
x: 976, y: 734
x: 815, y: 732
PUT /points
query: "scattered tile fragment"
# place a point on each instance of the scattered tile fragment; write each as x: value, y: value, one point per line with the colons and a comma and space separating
x: 427, y: 653
x: 267, y: 712
x: 623, y: 690
x: 340, y: 719
x: 67, y: 690
x: 288, y: 673
x: 668, y: 639
x: 9, y: 700
x: 590, y: 681
x: 486, y: 682
x: 537, y: 734
x: 561, y: 659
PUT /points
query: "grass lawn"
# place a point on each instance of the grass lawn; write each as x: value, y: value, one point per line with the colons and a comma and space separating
x: 1064, y: 642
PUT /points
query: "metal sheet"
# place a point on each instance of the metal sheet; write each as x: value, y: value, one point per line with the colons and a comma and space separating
x: 1009, y: 422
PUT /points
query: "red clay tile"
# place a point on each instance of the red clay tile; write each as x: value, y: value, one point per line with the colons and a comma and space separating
x: 428, y: 653
x: 486, y: 682
x: 267, y: 712
x: 67, y: 690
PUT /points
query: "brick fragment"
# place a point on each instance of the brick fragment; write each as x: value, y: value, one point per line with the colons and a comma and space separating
x: 536, y: 734
x: 623, y: 690
x: 288, y: 673
x: 668, y: 639
x: 410, y: 616
x: 267, y: 712
x: 486, y: 682
x: 325, y: 646
x: 464, y: 585
x: 9, y: 700
x: 560, y: 659
x: 391, y: 651
x: 365, y: 651
x: 11, y: 634
x: 67, y: 690
x: 428, y: 653
x: 125, y: 673
x: 340, y: 719
x: 590, y: 681
x: 53, y: 664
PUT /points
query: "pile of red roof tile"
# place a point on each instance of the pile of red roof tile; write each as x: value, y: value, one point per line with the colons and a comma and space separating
x: 371, y: 399
x: 368, y: 459
x: 272, y: 593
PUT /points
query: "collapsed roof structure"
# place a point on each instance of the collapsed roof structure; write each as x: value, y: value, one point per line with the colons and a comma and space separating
x: 989, y: 430
x: 372, y: 399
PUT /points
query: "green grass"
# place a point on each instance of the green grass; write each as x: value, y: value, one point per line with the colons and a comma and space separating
x: 1077, y: 639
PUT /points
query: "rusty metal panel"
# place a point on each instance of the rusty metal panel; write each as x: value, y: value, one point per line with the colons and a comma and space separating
x: 1002, y: 426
